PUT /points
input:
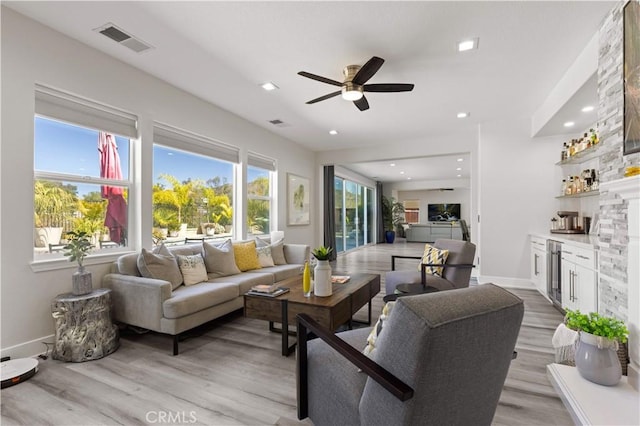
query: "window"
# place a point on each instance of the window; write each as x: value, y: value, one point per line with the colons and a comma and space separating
x: 354, y: 214
x: 412, y: 211
x: 259, y: 194
x: 81, y: 172
x: 193, y: 187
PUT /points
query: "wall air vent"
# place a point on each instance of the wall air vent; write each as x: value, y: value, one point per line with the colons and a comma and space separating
x: 278, y: 123
x: 119, y: 36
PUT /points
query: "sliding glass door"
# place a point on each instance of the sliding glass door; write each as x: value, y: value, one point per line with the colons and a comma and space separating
x: 354, y: 214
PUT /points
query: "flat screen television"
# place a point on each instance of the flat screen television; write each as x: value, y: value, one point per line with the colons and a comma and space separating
x: 443, y: 212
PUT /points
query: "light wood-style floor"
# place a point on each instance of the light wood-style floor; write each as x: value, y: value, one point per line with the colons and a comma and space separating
x: 231, y: 372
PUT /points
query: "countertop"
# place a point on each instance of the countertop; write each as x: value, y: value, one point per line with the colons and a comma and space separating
x: 586, y: 241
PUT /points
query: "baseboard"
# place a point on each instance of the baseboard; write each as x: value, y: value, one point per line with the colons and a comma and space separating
x: 29, y: 349
x: 507, y: 282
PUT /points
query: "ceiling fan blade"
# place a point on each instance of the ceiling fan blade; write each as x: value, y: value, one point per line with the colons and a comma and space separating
x: 388, y: 87
x: 368, y: 70
x: 319, y: 78
x: 362, y: 104
x: 322, y: 98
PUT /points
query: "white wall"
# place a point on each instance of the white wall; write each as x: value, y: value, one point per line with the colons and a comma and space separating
x: 33, y: 53
x: 517, y: 189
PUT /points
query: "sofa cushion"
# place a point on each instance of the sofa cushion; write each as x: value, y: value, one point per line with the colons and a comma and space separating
x: 246, y: 256
x: 187, y: 250
x: 219, y: 259
x: 159, y: 266
x: 264, y: 256
x: 277, y: 250
x: 245, y: 281
x: 192, y: 268
x: 187, y: 300
x: 281, y: 272
x: 434, y: 256
x: 128, y: 264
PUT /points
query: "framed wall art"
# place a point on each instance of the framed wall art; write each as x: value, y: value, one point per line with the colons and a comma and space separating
x: 632, y: 77
x: 298, y: 196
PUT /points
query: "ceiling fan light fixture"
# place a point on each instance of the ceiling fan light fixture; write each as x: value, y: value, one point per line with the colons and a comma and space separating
x: 351, y: 92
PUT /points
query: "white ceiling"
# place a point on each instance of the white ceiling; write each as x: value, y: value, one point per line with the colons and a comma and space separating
x: 223, y: 51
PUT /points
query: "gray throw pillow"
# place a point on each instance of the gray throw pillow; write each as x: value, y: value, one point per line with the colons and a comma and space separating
x: 160, y: 267
x: 277, y: 250
x: 219, y: 259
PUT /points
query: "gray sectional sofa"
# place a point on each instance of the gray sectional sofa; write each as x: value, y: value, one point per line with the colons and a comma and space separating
x: 158, y: 304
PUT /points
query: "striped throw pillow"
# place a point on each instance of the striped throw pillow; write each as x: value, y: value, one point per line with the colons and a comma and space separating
x: 433, y: 256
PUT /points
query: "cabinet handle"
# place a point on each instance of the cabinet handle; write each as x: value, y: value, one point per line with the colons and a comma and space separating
x: 582, y: 257
x: 571, y: 285
x: 535, y: 264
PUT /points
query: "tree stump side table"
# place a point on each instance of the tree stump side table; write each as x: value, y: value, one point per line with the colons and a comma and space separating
x: 84, y: 330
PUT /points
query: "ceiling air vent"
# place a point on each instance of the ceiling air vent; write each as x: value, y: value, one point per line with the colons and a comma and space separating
x: 119, y: 36
x: 446, y: 189
x: 278, y: 123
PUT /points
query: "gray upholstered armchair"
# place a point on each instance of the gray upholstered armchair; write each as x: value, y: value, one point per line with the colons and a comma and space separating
x: 441, y: 358
x: 456, y: 273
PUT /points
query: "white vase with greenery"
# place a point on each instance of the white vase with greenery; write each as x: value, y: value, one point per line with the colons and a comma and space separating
x: 77, y: 248
x: 322, y: 272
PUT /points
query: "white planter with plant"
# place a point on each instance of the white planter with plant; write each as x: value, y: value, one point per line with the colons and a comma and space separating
x: 322, y: 272
x: 596, y: 349
x: 77, y: 248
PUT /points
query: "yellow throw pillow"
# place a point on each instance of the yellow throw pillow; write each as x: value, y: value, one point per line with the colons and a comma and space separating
x: 246, y: 256
x: 433, y: 256
x: 377, y: 329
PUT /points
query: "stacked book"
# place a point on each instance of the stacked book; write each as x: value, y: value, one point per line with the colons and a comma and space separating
x: 267, y: 290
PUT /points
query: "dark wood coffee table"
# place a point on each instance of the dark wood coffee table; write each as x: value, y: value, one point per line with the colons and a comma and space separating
x: 331, y: 312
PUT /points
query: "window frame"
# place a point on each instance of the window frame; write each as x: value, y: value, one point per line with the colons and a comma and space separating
x: 257, y: 161
x: 54, y: 105
x: 195, y: 144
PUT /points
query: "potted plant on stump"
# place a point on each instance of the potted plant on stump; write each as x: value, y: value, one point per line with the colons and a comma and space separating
x: 596, y: 352
x: 392, y: 216
x: 322, y: 271
x: 77, y: 248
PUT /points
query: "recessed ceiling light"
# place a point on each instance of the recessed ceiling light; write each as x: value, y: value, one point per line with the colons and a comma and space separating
x: 459, y: 168
x: 460, y: 160
x: 268, y: 86
x: 392, y: 164
x: 401, y: 173
x: 459, y: 175
x: 470, y: 44
x: 333, y: 132
x: 588, y: 108
x: 408, y: 178
x: 463, y: 114
x: 569, y: 124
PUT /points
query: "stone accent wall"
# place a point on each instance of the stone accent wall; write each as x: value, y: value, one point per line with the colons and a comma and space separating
x: 613, y: 238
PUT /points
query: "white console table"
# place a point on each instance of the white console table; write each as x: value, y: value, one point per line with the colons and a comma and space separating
x: 593, y: 404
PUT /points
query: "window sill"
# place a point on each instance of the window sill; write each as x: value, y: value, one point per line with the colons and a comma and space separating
x: 63, y: 262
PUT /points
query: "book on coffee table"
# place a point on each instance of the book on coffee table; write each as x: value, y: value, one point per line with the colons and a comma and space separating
x: 339, y: 279
x: 265, y: 288
x: 276, y: 293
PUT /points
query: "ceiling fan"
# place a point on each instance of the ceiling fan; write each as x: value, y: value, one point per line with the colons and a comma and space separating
x: 353, y: 87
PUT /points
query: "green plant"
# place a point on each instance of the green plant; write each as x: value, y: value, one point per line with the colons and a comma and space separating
x: 78, y: 246
x: 53, y: 204
x: 392, y: 213
x: 596, y: 324
x: 322, y: 252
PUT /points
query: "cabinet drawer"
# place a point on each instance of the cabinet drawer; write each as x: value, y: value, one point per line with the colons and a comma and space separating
x: 584, y: 257
x: 541, y: 243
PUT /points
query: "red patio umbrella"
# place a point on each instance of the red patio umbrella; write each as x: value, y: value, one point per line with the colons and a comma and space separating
x: 116, y: 217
